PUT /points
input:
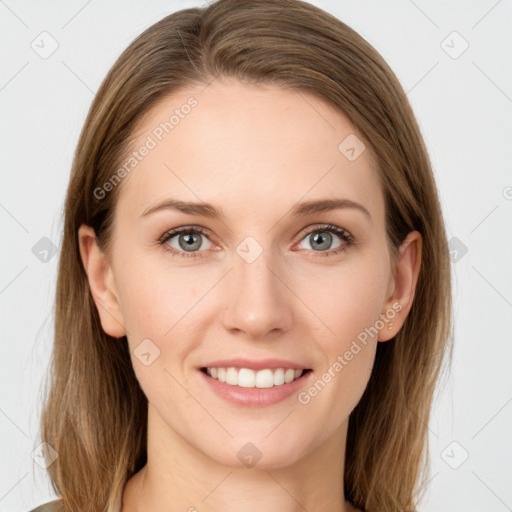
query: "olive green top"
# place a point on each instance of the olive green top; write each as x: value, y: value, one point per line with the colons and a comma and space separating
x: 51, y: 506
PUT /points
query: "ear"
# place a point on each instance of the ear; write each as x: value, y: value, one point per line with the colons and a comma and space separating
x: 101, y: 283
x: 402, y: 286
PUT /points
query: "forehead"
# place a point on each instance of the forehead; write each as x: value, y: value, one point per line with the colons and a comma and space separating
x: 248, y: 147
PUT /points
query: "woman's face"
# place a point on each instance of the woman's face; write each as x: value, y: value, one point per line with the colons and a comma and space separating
x: 256, y: 276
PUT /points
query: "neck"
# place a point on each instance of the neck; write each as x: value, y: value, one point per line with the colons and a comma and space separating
x: 179, y: 478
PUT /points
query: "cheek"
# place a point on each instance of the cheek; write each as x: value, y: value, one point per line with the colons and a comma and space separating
x: 346, y: 299
x: 154, y: 300
x: 347, y: 358
x: 164, y: 315
x: 349, y: 303
x: 160, y: 319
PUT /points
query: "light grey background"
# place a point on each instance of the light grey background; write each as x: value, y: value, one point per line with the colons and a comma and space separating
x: 464, y: 108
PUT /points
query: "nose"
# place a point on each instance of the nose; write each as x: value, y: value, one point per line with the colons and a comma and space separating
x: 258, y: 303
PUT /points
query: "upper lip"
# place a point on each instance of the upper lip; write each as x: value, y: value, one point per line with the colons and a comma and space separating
x: 255, y: 365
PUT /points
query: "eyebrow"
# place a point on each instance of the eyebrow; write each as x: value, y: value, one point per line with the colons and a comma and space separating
x: 299, y: 210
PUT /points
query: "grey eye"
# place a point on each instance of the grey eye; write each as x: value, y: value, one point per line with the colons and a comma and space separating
x: 320, y: 240
x: 189, y: 241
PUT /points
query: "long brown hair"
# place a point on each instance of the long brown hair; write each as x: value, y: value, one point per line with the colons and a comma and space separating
x: 95, y: 413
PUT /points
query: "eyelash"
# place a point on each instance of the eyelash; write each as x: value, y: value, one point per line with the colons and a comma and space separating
x: 345, y: 236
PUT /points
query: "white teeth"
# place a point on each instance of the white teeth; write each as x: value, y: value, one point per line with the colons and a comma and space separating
x: 247, y: 378
x: 232, y: 376
x: 264, y: 378
x: 278, y: 377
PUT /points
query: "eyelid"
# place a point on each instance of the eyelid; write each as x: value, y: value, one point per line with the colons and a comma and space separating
x: 185, y: 229
x: 319, y: 227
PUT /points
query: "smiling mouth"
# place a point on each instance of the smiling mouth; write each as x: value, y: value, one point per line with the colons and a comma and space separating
x: 247, y: 378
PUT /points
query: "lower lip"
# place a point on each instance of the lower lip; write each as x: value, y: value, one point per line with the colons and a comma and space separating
x: 256, y: 397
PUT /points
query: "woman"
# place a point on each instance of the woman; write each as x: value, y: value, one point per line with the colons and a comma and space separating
x: 253, y: 299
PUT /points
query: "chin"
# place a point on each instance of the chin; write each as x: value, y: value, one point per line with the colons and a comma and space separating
x: 257, y: 452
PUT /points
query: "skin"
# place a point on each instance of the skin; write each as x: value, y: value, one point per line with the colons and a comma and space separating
x: 253, y: 152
